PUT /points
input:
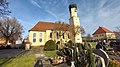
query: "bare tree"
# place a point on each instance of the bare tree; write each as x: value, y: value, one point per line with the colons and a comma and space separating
x: 61, y: 28
x: 82, y: 30
x: 10, y: 27
x: 117, y: 32
x: 75, y: 30
x: 88, y: 37
x: 4, y: 8
x: 118, y: 28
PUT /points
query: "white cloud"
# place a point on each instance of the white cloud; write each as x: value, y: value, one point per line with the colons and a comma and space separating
x: 35, y: 3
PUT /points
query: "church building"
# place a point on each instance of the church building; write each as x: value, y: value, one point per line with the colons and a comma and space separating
x: 43, y: 31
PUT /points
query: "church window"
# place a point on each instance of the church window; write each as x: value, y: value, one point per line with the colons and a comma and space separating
x: 63, y: 35
x: 57, y: 35
x: 34, y: 37
x: 68, y: 35
x: 51, y: 35
x: 40, y: 37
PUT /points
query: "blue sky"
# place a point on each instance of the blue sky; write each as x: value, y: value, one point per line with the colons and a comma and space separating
x: 92, y: 13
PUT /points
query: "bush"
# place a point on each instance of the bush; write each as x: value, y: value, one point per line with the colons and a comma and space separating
x: 80, y: 47
x: 60, y: 53
x: 50, y: 45
x: 114, y: 63
x: 69, y: 44
x: 86, y: 46
x: 8, y: 47
x: 2, y: 47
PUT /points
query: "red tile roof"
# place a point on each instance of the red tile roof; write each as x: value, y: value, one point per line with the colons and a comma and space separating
x: 102, y: 30
x: 42, y: 26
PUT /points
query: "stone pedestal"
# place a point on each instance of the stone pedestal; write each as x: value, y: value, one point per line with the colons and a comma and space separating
x: 27, y: 46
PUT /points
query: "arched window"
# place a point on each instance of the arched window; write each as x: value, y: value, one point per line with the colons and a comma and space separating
x: 34, y: 37
x: 57, y: 35
x: 68, y: 36
x: 51, y: 35
x: 40, y: 37
x: 63, y: 35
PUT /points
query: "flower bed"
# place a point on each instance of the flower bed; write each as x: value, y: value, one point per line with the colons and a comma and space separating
x: 58, y: 60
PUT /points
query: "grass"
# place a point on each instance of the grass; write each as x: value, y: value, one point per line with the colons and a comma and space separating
x: 2, y: 60
x: 19, y: 61
x: 51, y: 53
x: 93, y: 44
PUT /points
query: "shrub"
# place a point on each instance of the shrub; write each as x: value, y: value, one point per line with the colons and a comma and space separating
x: 61, y: 53
x: 114, y: 63
x: 80, y: 47
x: 2, y: 47
x: 50, y: 45
x: 21, y: 46
x: 86, y: 46
x: 69, y: 44
x: 8, y: 47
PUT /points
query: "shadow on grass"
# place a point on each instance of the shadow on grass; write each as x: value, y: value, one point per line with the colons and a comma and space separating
x: 7, y: 60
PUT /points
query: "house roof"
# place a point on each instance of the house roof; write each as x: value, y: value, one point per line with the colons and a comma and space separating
x: 102, y: 30
x: 43, y: 26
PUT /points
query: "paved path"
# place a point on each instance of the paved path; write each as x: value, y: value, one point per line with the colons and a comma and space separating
x: 7, y: 53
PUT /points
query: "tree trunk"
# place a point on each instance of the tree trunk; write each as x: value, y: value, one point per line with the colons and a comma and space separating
x: 7, y: 39
x: 74, y: 39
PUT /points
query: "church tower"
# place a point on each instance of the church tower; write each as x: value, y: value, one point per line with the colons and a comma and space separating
x: 74, y: 19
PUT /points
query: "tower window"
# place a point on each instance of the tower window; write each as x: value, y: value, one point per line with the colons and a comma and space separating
x: 34, y: 37
x: 75, y: 10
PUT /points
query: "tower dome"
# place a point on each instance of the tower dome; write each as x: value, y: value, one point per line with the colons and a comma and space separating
x: 73, y: 5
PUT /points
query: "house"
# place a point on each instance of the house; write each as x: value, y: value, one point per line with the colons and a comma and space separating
x: 43, y: 31
x: 103, y: 33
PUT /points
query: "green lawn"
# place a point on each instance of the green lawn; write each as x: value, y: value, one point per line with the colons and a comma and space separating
x: 51, y: 53
x: 19, y: 61
x: 3, y: 60
x: 93, y: 44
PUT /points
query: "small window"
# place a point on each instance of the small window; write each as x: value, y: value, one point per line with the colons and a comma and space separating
x: 75, y: 10
x: 40, y: 38
x: 51, y: 35
x: 57, y: 35
x: 34, y: 37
